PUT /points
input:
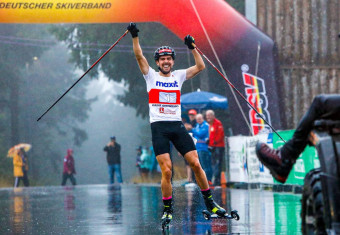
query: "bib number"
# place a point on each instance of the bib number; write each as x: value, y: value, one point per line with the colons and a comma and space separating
x: 167, y: 97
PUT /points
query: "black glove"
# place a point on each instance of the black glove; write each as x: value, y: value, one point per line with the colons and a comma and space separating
x: 133, y: 29
x: 188, y: 40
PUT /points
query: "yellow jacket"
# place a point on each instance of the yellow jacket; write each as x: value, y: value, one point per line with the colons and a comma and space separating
x: 17, y: 166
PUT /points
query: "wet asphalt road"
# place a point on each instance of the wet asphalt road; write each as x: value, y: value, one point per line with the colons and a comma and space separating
x: 136, y: 209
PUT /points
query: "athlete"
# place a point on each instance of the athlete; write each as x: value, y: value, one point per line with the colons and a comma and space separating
x: 164, y: 88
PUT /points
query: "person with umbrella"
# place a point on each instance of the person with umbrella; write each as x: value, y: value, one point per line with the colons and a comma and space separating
x: 20, y: 163
x: 20, y: 167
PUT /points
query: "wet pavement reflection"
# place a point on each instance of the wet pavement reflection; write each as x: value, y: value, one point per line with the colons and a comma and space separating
x: 136, y: 209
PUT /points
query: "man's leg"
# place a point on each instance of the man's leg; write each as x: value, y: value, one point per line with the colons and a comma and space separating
x: 189, y: 173
x: 215, y: 164
x: 204, y: 158
x: 165, y: 164
x: 118, y: 173
x: 194, y: 163
x: 63, y: 182
x: 166, y: 168
x: 322, y: 107
x: 201, y: 179
x: 111, y: 174
x: 73, y: 180
x: 219, y: 154
x: 205, y: 161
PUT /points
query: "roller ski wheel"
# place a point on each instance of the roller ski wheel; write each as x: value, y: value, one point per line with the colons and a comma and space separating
x: 233, y: 215
x: 206, y: 214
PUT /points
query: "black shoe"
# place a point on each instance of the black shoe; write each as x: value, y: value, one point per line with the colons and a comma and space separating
x: 167, y: 216
x: 278, y: 165
x: 213, y: 207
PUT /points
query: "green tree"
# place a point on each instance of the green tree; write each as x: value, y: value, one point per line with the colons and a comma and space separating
x: 34, y: 71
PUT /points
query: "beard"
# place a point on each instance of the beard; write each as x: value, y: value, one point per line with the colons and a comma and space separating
x: 164, y: 72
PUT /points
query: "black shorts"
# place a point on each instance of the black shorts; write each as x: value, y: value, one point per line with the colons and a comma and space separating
x: 165, y: 131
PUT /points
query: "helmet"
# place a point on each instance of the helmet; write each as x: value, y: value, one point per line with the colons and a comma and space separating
x: 164, y: 50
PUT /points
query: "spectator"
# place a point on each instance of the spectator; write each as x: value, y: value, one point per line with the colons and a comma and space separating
x: 192, y: 117
x: 113, y: 160
x: 216, y: 144
x: 69, y: 168
x: 138, y: 160
x: 146, y: 163
x: 20, y: 168
x: 154, y: 163
x: 201, y: 133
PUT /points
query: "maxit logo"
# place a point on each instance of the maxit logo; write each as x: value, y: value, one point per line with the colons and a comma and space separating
x: 167, y: 84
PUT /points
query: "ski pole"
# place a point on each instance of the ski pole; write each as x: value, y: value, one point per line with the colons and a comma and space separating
x: 238, y: 92
x: 113, y: 45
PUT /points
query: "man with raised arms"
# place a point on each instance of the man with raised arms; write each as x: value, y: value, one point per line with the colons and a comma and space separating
x: 164, y: 88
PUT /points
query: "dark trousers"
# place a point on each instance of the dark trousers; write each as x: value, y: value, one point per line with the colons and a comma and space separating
x: 68, y: 176
x: 115, y: 168
x: 217, y: 155
x: 322, y: 107
x: 24, y: 179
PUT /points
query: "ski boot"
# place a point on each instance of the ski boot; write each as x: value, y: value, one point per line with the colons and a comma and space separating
x: 166, y: 218
x: 216, y: 212
x: 213, y: 207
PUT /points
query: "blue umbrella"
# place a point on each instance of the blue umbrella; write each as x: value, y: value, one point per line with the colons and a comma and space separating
x: 203, y: 100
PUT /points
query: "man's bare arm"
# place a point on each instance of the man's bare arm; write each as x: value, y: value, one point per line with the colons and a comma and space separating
x: 198, y: 67
x: 141, y: 60
x: 199, y: 63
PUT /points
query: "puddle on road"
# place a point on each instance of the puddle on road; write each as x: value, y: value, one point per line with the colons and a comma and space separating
x: 134, y: 209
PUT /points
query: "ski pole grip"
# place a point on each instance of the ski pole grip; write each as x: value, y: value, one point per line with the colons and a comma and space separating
x: 193, y: 44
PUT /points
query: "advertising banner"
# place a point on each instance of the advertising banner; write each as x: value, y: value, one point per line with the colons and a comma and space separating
x: 236, y: 46
x: 238, y: 168
x: 245, y: 167
x: 243, y: 163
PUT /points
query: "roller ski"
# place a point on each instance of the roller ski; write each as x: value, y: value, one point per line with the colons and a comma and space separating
x: 208, y: 215
x: 216, y: 212
x: 166, y: 218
